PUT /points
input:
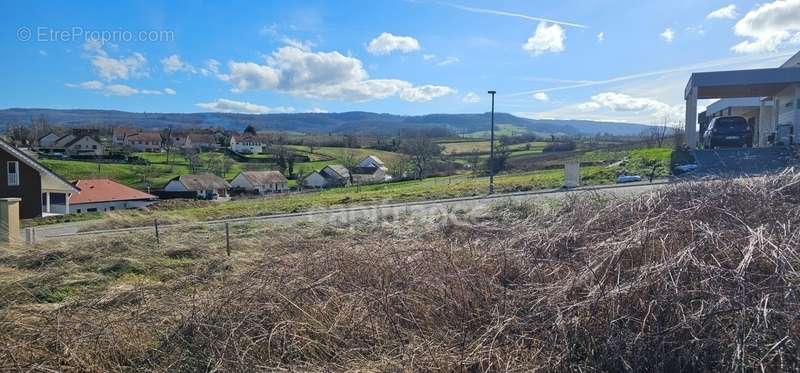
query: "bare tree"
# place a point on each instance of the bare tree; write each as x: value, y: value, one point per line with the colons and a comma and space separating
x: 349, y: 159
x: 398, y: 166
x: 474, y: 160
x: 422, y: 151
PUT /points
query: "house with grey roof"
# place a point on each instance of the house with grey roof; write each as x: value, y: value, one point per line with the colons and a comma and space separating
x: 261, y: 182
x: 204, y: 186
x: 334, y: 175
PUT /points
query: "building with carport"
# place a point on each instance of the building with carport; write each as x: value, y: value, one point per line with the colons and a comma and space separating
x: 768, y: 98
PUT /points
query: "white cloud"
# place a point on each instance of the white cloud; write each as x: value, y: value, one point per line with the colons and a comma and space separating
x: 622, y: 102
x: 211, y: 66
x: 668, y: 35
x: 699, y: 29
x: 425, y: 93
x: 173, y: 64
x: 471, y: 98
x: 94, y: 47
x: 601, y: 37
x: 117, y: 89
x: 768, y: 27
x: 449, y: 61
x: 222, y: 105
x: 726, y: 12
x: 109, y: 69
x: 328, y: 75
x: 299, y: 44
x: 387, y: 43
x: 541, y: 96
x: 120, y: 90
x: 428, y: 57
x: 546, y: 38
x: 91, y: 84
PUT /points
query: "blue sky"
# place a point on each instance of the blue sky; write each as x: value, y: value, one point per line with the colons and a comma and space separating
x: 603, y: 60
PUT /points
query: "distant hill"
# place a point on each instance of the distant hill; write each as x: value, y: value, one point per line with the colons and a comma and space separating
x: 348, y: 122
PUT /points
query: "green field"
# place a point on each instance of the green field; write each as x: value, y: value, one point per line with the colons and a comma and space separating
x: 462, y: 147
x: 404, y: 191
x: 155, y: 175
x: 499, y: 130
x: 159, y: 172
x: 138, y: 176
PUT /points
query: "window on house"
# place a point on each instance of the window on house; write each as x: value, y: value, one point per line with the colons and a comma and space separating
x: 13, y: 173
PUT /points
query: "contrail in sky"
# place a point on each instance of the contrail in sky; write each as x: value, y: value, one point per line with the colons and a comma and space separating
x: 510, y: 14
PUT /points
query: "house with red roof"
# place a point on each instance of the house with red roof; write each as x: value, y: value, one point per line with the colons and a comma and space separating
x: 107, y: 195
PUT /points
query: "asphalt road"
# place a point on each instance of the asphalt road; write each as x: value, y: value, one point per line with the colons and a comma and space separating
x: 734, y: 162
x: 349, y: 214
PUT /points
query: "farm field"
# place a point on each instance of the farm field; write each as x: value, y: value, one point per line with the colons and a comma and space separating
x: 155, y: 175
x: 137, y: 176
x: 461, y: 147
x: 404, y: 191
x: 499, y: 130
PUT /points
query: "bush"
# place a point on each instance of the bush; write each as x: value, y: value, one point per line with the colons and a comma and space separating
x: 560, y: 146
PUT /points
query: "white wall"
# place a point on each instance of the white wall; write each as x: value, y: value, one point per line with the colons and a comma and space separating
x: 175, y: 186
x: 241, y: 182
x: 108, y: 206
x: 314, y: 180
x: 84, y: 146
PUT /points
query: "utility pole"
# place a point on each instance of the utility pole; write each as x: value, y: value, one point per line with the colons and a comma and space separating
x: 491, y: 153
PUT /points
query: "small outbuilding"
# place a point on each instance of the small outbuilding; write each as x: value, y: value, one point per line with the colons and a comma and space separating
x: 204, y: 186
x: 261, y: 182
x: 334, y: 175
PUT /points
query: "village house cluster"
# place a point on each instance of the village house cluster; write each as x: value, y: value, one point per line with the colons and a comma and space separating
x: 44, y: 193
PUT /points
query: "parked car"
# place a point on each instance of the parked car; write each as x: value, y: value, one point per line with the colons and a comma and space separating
x: 728, y: 131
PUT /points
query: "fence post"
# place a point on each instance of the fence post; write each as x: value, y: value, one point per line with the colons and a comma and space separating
x: 227, y: 239
x: 158, y: 239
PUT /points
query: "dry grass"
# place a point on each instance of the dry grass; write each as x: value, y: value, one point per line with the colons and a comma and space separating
x: 697, y: 277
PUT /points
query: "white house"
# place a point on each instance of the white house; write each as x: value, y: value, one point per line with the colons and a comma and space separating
x: 107, y: 195
x: 261, y: 181
x: 119, y: 134
x: 331, y: 176
x: 84, y: 145
x: 144, y: 141
x: 205, y: 186
x: 47, y: 141
x: 200, y: 141
x: 315, y: 180
x: 767, y: 98
x: 248, y: 144
x: 371, y: 161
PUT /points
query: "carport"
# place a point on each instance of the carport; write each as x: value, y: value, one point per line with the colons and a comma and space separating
x: 779, y: 88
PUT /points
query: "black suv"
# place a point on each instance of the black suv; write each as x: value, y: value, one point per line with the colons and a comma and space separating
x: 728, y: 131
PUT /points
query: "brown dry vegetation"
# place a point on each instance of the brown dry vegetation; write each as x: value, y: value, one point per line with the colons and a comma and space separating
x: 697, y: 277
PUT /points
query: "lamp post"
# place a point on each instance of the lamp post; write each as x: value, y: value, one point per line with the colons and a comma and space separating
x: 491, y: 153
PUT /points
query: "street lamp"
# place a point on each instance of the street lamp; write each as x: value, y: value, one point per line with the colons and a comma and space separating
x: 491, y: 154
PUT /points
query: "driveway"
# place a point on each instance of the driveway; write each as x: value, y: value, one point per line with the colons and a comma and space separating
x: 742, y: 161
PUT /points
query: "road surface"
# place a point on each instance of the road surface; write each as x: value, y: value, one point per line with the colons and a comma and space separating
x: 348, y: 214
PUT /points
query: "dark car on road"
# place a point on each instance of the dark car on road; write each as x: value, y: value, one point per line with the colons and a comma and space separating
x: 728, y: 132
